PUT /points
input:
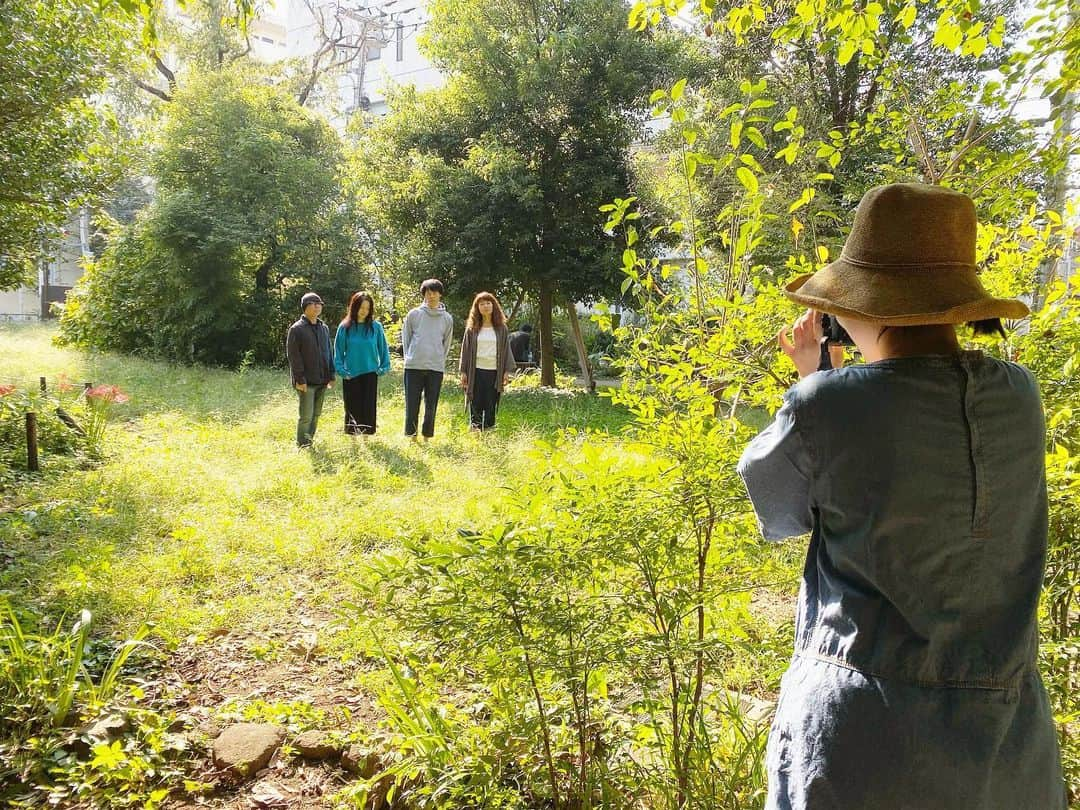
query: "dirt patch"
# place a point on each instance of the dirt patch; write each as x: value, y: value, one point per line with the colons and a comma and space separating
x: 775, y: 607
x: 272, y: 672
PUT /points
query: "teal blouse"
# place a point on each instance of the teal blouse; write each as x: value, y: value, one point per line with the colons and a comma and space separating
x: 360, y: 350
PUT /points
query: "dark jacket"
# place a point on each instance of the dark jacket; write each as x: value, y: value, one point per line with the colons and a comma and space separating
x: 504, y: 358
x: 311, y: 361
x: 521, y: 345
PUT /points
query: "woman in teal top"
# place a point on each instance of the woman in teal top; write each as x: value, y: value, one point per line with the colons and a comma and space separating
x: 361, y: 356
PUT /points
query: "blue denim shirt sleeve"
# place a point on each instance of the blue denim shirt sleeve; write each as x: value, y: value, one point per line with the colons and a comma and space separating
x: 776, y: 470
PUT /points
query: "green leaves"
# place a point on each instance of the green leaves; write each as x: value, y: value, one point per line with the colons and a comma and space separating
x: 57, y: 148
x: 748, y: 179
x: 249, y: 205
x: 735, y: 134
x: 804, y: 198
x: 906, y: 17
x: 847, y: 50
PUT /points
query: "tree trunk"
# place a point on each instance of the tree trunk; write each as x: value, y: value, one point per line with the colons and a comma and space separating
x: 547, y: 340
x: 512, y: 315
x: 1058, y: 187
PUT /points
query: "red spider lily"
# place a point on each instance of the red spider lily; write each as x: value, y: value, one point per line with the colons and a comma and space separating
x: 62, y: 384
x: 107, y: 393
x: 6, y: 389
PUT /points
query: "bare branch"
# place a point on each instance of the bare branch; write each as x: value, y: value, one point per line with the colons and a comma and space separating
x: 164, y: 70
x: 149, y: 88
x: 345, y: 35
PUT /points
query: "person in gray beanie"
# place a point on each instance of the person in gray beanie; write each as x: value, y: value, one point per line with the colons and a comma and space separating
x: 311, y: 365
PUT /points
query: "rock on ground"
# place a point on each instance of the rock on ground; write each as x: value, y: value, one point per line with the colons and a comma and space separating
x: 315, y: 745
x: 361, y: 761
x: 246, y: 748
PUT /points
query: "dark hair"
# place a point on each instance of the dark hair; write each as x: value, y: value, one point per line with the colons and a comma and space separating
x: 476, y: 320
x: 526, y: 327
x: 432, y: 284
x: 353, y: 318
x: 988, y: 326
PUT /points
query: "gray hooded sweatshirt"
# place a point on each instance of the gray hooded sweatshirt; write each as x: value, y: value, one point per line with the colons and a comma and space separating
x: 426, y: 336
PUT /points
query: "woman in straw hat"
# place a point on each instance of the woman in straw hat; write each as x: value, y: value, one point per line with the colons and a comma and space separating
x: 919, y: 474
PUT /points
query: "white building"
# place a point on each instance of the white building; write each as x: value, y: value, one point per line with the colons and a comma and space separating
x: 382, y: 36
x: 56, y: 275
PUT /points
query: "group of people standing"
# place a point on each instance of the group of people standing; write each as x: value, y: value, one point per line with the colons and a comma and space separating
x: 360, y: 354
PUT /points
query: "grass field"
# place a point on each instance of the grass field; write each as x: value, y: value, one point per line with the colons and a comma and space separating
x: 246, y: 557
x: 204, y: 515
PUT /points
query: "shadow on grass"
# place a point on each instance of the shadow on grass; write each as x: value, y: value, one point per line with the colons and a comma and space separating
x: 547, y: 412
x: 395, y: 462
x: 62, y: 538
x: 230, y: 396
x: 323, y: 460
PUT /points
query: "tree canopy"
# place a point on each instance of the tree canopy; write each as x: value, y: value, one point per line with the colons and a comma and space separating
x: 494, y: 181
x: 57, y: 147
x: 248, y: 214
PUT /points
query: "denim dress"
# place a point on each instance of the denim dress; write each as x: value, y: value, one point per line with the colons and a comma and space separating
x: 914, y: 683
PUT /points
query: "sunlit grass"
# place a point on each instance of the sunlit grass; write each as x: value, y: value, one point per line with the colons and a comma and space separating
x: 205, y: 515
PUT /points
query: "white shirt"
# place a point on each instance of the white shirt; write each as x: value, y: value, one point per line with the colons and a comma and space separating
x: 486, y: 349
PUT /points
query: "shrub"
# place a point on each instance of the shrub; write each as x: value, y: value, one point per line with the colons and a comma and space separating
x: 55, y: 686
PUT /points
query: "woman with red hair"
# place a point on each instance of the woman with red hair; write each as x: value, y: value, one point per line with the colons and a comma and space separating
x: 486, y: 360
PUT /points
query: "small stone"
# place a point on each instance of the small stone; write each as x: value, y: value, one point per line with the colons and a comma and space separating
x: 209, y: 729
x: 106, y: 728
x: 315, y: 745
x: 757, y: 711
x: 361, y: 761
x: 246, y: 748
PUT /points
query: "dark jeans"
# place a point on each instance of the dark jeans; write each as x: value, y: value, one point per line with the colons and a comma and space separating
x: 360, y: 394
x: 485, y: 399
x: 421, y: 382
x: 311, y: 402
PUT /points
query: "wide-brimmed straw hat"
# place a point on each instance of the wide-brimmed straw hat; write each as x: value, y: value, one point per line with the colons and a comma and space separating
x: 909, y: 260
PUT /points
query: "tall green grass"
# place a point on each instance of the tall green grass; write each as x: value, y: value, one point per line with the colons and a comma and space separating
x: 203, y: 514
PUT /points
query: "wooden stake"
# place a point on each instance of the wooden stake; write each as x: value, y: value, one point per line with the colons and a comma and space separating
x: 583, y: 359
x: 43, y: 384
x: 31, y: 442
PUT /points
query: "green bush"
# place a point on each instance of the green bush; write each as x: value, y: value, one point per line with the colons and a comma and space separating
x: 576, y: 616
x: 1051, y: 349
x: 73, y: 731
x: 55, y: 438
x: 249, y: 215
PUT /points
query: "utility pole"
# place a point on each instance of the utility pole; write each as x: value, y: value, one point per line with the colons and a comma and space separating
x: 43, y: 286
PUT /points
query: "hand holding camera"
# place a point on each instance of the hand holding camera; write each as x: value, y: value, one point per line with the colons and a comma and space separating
x: 816, y: 343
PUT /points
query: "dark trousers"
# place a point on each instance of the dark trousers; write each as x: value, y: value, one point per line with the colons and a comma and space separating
x: 485, y: 399
x: 361, y: 393
x: 421, y: 382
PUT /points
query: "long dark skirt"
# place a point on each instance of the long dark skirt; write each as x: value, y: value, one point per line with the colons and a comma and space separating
x: 485, y: 399
x: 361, y: 393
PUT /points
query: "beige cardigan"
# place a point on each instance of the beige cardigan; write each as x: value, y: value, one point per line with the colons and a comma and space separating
x: 504, y: 358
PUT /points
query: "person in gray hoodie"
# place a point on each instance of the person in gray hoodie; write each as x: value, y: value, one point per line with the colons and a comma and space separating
x: 425, y: 341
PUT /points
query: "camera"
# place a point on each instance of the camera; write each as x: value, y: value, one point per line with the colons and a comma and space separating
x: 834, y: 332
